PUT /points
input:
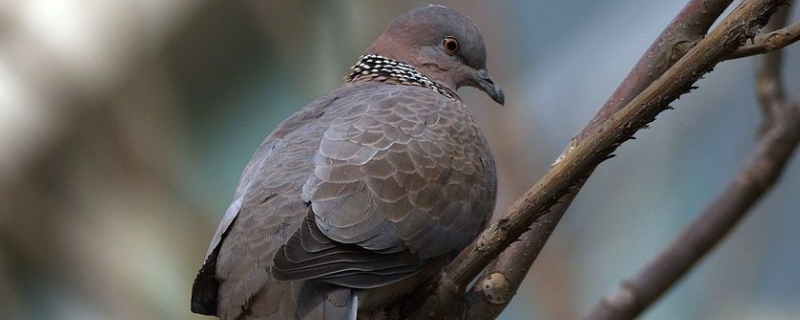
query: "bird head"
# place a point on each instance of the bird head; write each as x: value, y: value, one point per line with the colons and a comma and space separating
x: 442, y: 44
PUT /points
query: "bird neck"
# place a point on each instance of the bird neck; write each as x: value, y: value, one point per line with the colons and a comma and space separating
x: 377, y: 68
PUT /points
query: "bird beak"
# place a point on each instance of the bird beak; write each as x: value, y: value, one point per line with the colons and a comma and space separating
x: 486, y: 83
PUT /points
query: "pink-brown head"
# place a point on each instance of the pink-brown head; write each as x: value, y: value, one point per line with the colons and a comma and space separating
x: 443, y: 44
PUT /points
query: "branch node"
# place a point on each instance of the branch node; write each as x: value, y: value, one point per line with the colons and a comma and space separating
x: 776, y: 41
x: 493, y: 236
x: 496, y: 288
x: 622, y: 298
x: 679, y: 50
x: 573, y: 143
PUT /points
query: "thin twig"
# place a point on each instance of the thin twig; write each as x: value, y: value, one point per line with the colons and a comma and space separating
x: 741, y: 24
x: 775, y: 147
x: 772, y: 41
x: 769, y: 87
x: 505, y: 274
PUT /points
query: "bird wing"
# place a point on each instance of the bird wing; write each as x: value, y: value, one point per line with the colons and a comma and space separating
x: 357, y: 189
x: 409, y: 173
x: 267, y: 208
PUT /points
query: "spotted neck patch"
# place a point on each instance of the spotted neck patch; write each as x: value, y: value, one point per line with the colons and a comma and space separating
x: 377, y: 68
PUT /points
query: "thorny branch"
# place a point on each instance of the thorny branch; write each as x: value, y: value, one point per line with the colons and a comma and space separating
x: 505, y: 274
x: 777, y: 142
x: 442, y: 296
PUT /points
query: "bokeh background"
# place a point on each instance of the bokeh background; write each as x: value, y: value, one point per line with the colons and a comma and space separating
x: 124, y: 126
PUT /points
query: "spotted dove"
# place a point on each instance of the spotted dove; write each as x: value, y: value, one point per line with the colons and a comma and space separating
x: 360, y: 196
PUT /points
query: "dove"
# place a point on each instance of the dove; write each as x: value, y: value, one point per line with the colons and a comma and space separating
x: 363, y: 194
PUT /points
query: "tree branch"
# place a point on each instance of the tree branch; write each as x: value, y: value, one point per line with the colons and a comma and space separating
x: 772, y: 41
x: 505, y: 274
x: 448, y: 287
x: 775, y: 147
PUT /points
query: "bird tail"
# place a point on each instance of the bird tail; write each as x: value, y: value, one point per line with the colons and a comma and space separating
x: 340, y: 304
x: 319, y: 301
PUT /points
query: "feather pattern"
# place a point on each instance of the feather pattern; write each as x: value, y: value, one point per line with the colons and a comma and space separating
x: 357, y: 190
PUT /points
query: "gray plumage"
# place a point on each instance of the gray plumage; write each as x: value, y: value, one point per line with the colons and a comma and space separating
x: 365, y: 191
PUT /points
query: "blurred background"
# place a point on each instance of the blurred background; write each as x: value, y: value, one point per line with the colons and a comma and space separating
x: 124, y: 126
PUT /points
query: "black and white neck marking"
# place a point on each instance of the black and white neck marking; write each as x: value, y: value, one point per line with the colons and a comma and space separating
x: 383, y: 69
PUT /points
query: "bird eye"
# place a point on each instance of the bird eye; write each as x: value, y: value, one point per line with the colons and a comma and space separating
x: 450, y: 45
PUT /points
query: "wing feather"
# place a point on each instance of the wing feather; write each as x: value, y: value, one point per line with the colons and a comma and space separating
x: 359, y: 189
x: 405, y: 176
